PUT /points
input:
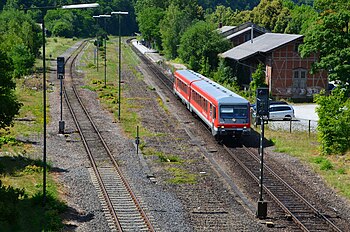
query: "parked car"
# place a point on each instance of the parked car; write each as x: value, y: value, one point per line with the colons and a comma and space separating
x: 281, y: 112
x: 277, y: 111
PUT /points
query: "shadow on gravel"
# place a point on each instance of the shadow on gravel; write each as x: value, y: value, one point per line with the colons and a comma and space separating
x: 72, y: 218
x: 252, y: 140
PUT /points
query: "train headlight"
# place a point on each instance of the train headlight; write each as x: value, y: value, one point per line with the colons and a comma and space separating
x: 222, y: 126
x: 234, y: 120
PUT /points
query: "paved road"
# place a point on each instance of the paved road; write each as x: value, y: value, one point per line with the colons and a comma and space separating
x: 305, y: 111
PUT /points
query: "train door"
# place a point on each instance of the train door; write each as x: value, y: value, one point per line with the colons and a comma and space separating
x: 212, y: 117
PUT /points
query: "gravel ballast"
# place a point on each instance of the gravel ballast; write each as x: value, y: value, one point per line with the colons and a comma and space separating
x: 207, y: 205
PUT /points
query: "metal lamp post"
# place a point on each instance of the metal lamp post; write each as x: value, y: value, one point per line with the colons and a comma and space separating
x: 75, y: 6
x: 104, y: 16
x: 119, y: 13
x: 97, y: 44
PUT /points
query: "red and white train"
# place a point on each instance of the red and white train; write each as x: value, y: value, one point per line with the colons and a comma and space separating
x: 224, y: 111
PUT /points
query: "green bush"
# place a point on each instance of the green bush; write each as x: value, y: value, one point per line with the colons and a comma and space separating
x: 53, y: 209
x: 326, y: 165
x: 333, y: 125
x: 9, y: 199
x: 8, y: 140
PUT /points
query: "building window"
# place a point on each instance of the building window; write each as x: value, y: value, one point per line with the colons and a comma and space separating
x: 299, y: 73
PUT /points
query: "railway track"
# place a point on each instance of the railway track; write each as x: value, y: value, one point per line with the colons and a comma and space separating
x: 305, y: 216
x: 123, y: 210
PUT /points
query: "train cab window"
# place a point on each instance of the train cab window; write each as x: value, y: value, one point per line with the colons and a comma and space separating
x: 239, y: 111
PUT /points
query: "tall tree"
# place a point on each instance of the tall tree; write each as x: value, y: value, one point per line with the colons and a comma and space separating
x: 9, y: 105
x: 301, y: 19
x: 19, y: 28
x: 330, y: 39
x: 271, y: 14
x: 200, y: 46
x: 172, y: 27
x: 148, y: 20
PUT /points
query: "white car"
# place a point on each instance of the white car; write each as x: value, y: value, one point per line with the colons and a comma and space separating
x: 281, y: 112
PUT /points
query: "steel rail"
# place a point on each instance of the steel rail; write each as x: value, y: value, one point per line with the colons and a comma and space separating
x: 90, y: 156
x: 116, y: 166
x: 286, y: 185
x: 94, y: 165
x: 290, y: 188
x: 161, y: 77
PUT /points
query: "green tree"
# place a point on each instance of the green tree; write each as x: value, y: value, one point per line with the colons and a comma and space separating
x: 271, y: 14
x: 60, y: 22
x: 301, y: 19
x: 18, y: 28
x: 200, y: 46
x: 63, y: 29
x: 222, y: 14
x: 141, y: 5
x: 224, y: 73
x: 9, y: 105
x: 23, y: 60
x: 172, y: 27
x: 258, y: 79
x: 333, y: 125
x: 148, y: 20
x: 330, y: 39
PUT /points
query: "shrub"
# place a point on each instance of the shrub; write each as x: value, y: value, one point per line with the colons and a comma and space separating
x: 9, y: 198
x: 333, y: 125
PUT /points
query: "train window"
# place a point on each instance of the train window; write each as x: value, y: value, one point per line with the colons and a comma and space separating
x: 214, y: 112
x: 238, y: 111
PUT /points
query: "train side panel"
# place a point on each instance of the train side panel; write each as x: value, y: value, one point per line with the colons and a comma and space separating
x: 225, y: 112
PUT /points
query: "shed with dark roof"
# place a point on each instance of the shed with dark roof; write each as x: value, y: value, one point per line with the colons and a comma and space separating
x: 287, y: 74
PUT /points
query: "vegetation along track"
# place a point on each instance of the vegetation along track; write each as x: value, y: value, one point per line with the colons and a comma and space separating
x: 307, y: 217
x: 123, y: 210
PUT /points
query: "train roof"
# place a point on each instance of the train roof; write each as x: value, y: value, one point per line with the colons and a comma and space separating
x: 215, y: 90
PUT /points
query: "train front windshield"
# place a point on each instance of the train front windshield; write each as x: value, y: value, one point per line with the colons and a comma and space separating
x: 233, y: 111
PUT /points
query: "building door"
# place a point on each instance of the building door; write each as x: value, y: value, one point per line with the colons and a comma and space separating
x: 299, y: 81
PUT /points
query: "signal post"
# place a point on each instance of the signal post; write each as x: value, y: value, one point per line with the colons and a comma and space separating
x: 262, y: 111
x: 60, y: 76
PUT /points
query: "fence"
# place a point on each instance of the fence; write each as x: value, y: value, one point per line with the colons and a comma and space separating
x: 294, y: 125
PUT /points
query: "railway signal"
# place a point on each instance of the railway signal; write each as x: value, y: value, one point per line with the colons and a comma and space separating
x: 262, y: 110
x: 60, y: 76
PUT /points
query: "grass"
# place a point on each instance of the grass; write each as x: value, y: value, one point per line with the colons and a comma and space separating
x: 20, y: 171
x: 55, y: 46
x: 333, y: 169
x: 181, y: 176
x: 109, y: 95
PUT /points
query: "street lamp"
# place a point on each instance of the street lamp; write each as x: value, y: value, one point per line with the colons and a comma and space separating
x: 119, y: 13
x: 97, y: 45
x: 104, y: 16
x: 75, y: 6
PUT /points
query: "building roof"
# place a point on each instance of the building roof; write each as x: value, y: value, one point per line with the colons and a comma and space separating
x: 224, y: 29
x: 261, y: 44
x: 238, y: 33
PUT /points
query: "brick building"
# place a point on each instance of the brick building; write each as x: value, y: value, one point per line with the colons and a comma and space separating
x: 287, y: 74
